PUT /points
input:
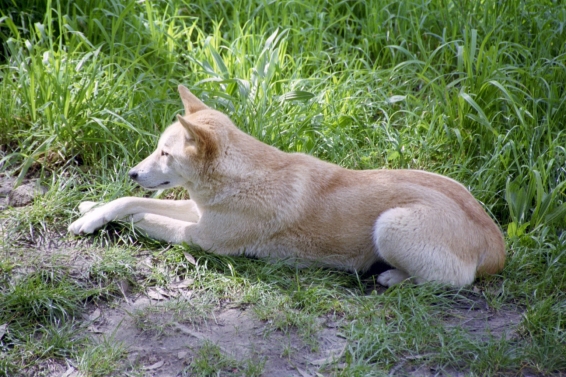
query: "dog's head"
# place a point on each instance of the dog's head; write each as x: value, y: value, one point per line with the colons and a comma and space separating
x: 188, y: 150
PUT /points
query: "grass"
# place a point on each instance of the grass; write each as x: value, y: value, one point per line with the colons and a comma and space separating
x: 473, y: 90
x: 210, y: 360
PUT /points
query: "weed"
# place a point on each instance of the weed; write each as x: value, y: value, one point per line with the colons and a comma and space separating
x: 100, y: 359
x: 210, y: 360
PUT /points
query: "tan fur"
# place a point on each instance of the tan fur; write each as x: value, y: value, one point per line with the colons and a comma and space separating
x: 250, y: 198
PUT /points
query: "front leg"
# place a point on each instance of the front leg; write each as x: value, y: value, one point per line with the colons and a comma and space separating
x: 171, y: 230
x: 184, y: 210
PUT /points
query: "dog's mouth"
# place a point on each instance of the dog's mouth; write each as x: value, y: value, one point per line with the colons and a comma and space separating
x: 158, y: 186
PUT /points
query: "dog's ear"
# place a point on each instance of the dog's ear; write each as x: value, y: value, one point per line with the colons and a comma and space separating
x: 190, y: 101
x: 205, y: 143
x: 195, y: 131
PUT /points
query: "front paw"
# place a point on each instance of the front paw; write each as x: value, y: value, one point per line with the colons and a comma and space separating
x: 76, y: 226
x: 88, y: 223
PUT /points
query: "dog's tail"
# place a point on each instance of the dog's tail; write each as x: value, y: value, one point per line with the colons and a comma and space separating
x: 493, y: 259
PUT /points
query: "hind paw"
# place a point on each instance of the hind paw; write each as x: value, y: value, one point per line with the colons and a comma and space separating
x: 392, y: 277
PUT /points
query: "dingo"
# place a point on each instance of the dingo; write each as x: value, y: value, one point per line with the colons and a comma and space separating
x: 250, y: 198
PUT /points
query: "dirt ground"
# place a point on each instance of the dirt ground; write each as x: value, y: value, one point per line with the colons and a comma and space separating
x: 234, y: 331
x: 162, y: 346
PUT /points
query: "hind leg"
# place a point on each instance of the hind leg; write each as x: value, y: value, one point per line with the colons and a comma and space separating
x: 424, y: 246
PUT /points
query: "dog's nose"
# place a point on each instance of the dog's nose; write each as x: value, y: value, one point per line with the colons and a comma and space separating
x: 133, y: 174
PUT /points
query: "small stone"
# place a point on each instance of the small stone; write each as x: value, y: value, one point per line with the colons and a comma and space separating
x: 25, y: 194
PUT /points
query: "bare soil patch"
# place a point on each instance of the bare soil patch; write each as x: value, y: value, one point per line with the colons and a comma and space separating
x: 167, y: 347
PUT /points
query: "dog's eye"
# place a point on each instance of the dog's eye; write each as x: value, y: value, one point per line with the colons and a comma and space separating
x: 163, y: 153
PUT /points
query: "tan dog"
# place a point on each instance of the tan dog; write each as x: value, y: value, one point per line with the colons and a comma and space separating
x: 250, y: 198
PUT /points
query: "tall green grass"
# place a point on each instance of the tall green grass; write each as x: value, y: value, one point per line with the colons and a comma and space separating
x: 473, y: 90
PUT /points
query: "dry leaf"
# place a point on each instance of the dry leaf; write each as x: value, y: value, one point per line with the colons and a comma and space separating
x: 95, y: 315
x: 162, y: 291
x: 153, y: 294
x: 303, y: 373
x: 71, y: 372
x: 190, y: 258
x: 173, y: 293
x: 93, y: 329
x: 182, y: 284
x: 157, y: 365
